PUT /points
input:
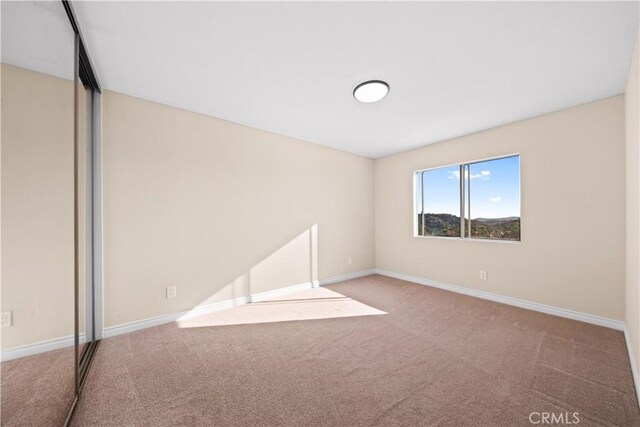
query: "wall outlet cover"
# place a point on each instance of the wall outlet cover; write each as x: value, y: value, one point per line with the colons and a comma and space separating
x: 172, y: 291
x: 6, y: 319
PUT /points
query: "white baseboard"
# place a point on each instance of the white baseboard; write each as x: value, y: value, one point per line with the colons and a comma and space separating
x: 39, y: 347
x: 633, y: 362
x: 125, y: 328
x: 150, y: 322
x: 280, y: 292
x: 348, y: 276
x: 556, y: 311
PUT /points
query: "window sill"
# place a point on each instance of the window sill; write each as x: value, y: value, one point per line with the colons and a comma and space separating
x: 467, y: 239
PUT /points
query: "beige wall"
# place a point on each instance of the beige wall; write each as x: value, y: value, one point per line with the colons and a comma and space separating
x: 221, y: 210
x: 37, y: 206
x: 208, y: 205
x: 632, y: 317
x: 218, y: 209
x: 572, y: 180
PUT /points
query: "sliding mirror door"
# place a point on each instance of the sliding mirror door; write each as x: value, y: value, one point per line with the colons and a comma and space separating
x: 83, y: 214
x: 85, y: 202
x: 37, y: 207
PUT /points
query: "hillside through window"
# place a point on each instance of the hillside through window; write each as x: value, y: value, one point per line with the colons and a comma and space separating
x: 476, y: 200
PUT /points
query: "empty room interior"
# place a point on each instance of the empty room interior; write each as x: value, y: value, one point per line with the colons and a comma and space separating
x: 320, y: 213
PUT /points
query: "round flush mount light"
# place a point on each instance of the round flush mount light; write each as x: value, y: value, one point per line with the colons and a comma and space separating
x: 371, y: 91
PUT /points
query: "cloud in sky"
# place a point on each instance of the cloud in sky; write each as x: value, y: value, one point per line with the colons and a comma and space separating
x: 484, y: 175
x: 495, y: 199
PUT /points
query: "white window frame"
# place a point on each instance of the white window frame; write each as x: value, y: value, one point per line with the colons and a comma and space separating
x: 465, y: 200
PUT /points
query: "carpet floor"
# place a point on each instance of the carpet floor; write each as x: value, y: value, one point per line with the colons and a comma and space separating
x: 37, y: 390
x: 371, y: 351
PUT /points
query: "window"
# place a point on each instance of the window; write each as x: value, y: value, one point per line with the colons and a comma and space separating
x: 439, y: 193
x: 475, y: 200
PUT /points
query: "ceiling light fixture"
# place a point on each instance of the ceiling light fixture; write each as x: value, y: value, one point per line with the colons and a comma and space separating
x: 371, y: 91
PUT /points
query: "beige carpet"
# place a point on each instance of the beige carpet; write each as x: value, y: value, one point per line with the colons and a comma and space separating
x: 311, y: 304
x: 37, y: 390
x: 434, y: 358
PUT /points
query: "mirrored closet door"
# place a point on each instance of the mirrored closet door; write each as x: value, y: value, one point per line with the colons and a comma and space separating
x: 87, y: 207
x: 48, y: 245
x: 38, y: 372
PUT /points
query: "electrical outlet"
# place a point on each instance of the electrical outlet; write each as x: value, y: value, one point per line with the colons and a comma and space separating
x: 6, y: 319
x: 172, y: 291
x: 349, y: 260
x: 483, y: 275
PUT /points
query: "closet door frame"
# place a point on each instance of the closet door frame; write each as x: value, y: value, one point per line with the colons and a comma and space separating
x: 93, y: 301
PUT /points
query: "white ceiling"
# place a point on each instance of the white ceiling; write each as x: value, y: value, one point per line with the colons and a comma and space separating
x: 290, y: 68
x: 37, y: 36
